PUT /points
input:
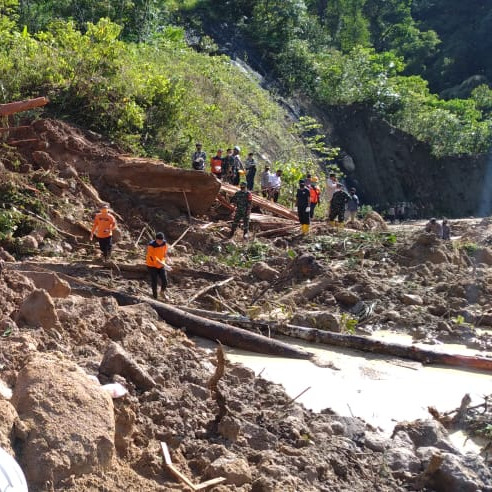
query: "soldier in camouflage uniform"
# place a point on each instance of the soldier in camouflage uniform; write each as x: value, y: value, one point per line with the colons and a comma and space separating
x: 243, y: 200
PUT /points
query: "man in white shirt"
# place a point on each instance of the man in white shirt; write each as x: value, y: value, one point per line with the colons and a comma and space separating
x: 275, y: 185
x: 265, y: 177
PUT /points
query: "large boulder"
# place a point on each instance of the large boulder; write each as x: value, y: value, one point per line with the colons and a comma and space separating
x: 38, y: 309
x: 70, y: 420
x: 50, y: 282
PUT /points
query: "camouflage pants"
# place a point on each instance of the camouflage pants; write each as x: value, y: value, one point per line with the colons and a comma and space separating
x: 241, y: 215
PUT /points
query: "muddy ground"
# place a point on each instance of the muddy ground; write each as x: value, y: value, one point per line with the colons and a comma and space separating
x: 61, y: 339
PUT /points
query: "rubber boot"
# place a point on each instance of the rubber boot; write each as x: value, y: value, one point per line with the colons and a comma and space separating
x: 304, y: 229
x: 341, y: 225
x: 332, y: 223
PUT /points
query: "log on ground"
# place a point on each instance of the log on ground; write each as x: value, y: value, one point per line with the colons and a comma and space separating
x: 379, y: 347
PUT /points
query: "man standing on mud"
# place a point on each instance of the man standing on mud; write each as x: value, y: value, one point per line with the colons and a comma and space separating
x: 156, y: 265
x: 303, y: 200
x: 243, y: 201
x: 104, y: 224
x: 337, y: 206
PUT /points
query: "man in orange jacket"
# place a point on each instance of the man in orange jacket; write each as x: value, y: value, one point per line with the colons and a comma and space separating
x: 104, y: 224
x: 156, y: 265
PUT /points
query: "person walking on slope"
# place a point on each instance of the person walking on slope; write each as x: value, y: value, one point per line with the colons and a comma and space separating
x: 243, y: 200
x: 337, y: 206
x: 102, y: 228
x: 303, y: 199
x: 156, y: 264
x: 198, y: 158
x: 265, y: 182
x: 216, y: 164
x: 250, y: 167
x: 315, y: 194
x: 446, y: 230
x: 352, y: 205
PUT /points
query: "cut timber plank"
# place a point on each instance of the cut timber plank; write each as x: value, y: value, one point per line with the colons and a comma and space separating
x: 274, y: 208
x: 19, y: 106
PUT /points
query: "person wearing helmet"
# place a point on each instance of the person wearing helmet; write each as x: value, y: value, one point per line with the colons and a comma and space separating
x: 198, y: 158
x: 243, y: 200
x: 315, y: 194
x: 102, y: 228
x: 237, y: 166
x: 156, y: 264
x: 303, y: 199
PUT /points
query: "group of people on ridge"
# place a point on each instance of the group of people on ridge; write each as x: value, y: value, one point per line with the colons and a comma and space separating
x: 229, y: 168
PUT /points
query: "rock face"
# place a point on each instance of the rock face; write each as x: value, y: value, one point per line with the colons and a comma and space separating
x: 70, y: 419
x: 388, y: 166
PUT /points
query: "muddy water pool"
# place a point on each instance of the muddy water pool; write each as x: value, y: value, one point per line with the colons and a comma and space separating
x: 379, y: 389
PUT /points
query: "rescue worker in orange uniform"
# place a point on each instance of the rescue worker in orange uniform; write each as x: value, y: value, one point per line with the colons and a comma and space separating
x: 104, y: 224
x: 216, y: 164
x: 156, y: 264
x: 315, y: 194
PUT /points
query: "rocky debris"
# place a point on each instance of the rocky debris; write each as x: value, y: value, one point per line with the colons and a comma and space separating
x: 412, y: 300
x: 8, y: 418
x: 117, y: 361
x: 305, y: 266
x: 70, y: 420
x: 483, y: 255
x: 263, y: 271
x: 50, y: 282
x: 456, y: 473
x: 322, y: 320
x: 38, y: 309
x: 236, y: 470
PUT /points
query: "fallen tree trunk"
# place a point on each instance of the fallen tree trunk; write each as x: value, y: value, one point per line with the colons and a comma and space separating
x: 19, y: 106
x: 354, y: 342
x: 202, y: 327
x: 379, y: 347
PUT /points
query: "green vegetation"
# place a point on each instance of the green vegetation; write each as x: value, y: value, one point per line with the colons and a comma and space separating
x: 125, y: 70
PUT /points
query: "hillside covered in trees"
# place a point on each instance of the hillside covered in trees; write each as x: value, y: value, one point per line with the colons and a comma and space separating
x: 150, y: 74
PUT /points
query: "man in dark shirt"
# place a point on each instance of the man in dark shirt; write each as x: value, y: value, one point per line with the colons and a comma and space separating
x: 303, y: 200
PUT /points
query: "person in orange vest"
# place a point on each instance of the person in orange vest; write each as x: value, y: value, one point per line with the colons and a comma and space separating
x: 156, y: 264
x: 216, y: 164
x: 315, y: 193
x: 104, y: 224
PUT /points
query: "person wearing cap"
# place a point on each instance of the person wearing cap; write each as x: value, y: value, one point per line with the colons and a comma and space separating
x: 315, y: 194
x: 102, y: 228
x: 216, y: 164
x: 198, y: 158
x: 237, y: 166
x: 303, y: 201
x: 337, y: 206
x: 243, y: 200
x: 352, y: 205
x: 265, y: 181
x: 250, y: 167
x: 156, y: 264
